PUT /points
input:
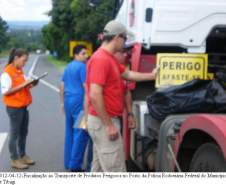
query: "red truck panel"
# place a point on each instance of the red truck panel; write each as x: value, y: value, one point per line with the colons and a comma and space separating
x: 141, y: 63
x: 213, y: 125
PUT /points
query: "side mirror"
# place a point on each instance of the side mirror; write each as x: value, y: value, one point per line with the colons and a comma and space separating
x: 94, y: 3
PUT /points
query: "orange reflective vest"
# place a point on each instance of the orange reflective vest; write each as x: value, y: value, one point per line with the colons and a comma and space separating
x: 22, y: 97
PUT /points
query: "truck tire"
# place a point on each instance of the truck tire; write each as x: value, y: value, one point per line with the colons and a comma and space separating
x: 208, y: 158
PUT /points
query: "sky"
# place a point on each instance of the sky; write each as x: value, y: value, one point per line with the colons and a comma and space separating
x: 25, y: 10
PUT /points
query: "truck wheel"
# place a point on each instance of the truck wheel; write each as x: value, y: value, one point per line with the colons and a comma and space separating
x: 208, y: 158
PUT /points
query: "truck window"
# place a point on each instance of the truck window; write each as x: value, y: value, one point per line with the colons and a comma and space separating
x: 148, y: 16
x: 118, y: 4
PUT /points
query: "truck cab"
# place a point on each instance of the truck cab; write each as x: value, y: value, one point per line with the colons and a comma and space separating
x: 180, y: 142
x: 175, y: 23
x: 185, y: 142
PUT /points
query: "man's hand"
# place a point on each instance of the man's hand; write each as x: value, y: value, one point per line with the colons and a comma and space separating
x: 155, y: 71
x: 131, y: 121
x: 112, y: 132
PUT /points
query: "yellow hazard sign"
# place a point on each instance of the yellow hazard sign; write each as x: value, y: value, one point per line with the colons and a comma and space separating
x: 210, y: 76
x: 175, y: 69
x: 74, y: 43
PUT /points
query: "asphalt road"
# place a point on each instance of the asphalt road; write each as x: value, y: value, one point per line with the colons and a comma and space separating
x: 45, y: 140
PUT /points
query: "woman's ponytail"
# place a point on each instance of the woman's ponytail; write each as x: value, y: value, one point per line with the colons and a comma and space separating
x: 16, y: 53
x: 11, y: 56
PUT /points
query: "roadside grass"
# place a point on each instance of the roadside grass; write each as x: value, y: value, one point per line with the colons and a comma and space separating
x: 60, y: 64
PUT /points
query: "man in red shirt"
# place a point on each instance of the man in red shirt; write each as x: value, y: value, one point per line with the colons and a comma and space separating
x: 105, y: 96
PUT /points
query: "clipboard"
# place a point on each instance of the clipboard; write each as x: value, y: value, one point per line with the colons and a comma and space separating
x: 42, y: 76
x: 37, y: 78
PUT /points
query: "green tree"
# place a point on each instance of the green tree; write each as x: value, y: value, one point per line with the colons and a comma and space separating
x: 3, y: 36
x: 25, y: 38
x: 89, y: 21
x: 75, y: 20
x: 60, y: 30
x: 51, y: 36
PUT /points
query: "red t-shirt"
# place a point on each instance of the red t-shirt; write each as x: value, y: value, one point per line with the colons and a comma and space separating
x: 103, y: 69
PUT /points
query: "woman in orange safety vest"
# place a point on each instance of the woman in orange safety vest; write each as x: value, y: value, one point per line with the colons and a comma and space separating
x: 15, y: 89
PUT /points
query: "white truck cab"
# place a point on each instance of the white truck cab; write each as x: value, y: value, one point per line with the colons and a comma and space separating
x: 181, y: 23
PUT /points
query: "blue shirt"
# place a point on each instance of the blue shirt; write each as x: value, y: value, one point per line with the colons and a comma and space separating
x: 74, y: 77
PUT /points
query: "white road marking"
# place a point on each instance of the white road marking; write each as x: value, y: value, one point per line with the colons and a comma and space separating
x: 30, y: 74
x: 3, y: 137
x: 48, y: 84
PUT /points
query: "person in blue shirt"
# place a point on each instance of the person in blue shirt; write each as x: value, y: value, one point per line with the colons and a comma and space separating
x: 72, y: 96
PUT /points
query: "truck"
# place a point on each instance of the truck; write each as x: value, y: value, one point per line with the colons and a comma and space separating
x: 182, y: 142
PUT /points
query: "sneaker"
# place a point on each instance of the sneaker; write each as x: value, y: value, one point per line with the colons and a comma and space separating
x: 27, y: 160
x: 18, y: 164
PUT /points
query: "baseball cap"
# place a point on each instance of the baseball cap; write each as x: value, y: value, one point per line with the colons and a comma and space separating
x: 115, y: 28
